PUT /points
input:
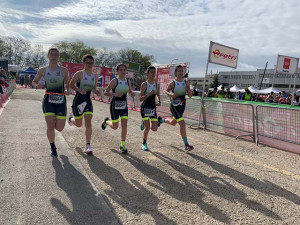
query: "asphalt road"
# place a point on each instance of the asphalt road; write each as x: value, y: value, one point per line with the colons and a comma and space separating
x: 222, y: 181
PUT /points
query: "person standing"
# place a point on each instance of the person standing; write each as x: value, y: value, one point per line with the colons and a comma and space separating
x: 177, y: 90
x: 54, y: 102
x: 149, y: 94
x: 84, y: 82
x: 118, y: 105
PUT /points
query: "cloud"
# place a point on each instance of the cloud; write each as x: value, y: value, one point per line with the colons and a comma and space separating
x: 167, y: 29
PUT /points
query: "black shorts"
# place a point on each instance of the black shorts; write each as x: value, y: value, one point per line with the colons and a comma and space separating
x: 80, y: 109
x: 118, y: 109
x: 177, y: 111
x: 58, y: 110
x: 148, y: 113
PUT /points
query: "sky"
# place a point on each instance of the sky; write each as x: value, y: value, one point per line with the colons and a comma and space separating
x: 170, y: 30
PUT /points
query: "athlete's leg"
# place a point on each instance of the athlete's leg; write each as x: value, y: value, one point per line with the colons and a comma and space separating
x: 50, y: 121
x: 154, y: 125
x: 171, y: 121
x: 182, y: 128
x: 88, y: 127
x: 76, y: 121
x: 60, y: 124
x: 147, y: 128
x: 124, y: 128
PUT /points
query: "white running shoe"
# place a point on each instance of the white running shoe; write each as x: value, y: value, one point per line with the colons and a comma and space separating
x: 88, y: 150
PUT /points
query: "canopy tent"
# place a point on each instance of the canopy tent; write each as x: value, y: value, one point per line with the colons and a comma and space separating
x: 29, y: 71
x: 268, y: 90
x: 236, y: 89
x: 253, y: 90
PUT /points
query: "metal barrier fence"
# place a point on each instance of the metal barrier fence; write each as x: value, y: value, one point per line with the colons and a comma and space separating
x: 278, y: 123
x: 230, y: 118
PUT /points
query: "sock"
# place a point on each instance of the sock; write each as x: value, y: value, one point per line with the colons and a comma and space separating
x: 70, y: 118
x: 144, y: 141
x: 185, y: 141
x: 122, y: 143
x: 52, y: 145
x: 88, y: 143
x: 162, y: 120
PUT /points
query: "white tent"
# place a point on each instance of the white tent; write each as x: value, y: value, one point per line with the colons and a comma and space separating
x: 236, y: 89
x: 253, y: 89
x: 268, y: 90
x: 219, y: 88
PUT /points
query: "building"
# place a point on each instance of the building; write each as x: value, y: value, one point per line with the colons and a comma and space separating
x: 198, y: 81
x: 283, y: 82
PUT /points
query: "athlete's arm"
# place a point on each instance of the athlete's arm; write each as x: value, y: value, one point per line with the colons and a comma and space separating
x: 158, y: 95
x: 143, y: 89
x: 188, y: 90
x: 95, y: 89
x: 38, y: 76
x: 66, y: 79
x: 76, y: 78
x: 168, y: 91
x: 112, y: 84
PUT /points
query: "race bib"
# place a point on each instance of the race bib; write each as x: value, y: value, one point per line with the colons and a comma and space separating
x: 120, y: 105
x: 81, y: 107
x: 176, y: 102
x: 56, y: 99
x: 149, y: 112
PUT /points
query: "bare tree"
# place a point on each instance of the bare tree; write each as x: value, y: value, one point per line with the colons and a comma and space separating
x: 36, y: 57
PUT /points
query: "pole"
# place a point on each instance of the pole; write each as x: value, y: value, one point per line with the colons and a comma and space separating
x: 263, y: 75
x: 293, y: 97
x: 202, y: 98
x: 274, y: 75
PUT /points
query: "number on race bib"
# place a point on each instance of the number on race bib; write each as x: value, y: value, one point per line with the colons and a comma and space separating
x: 56, y: 99
x: 120, y: 105
x: 176, y: 102
x: 149, y: 112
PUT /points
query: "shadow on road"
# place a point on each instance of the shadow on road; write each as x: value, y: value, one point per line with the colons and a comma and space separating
x: 186, y: 192
x: 133, y: 197
x: 86, y: 207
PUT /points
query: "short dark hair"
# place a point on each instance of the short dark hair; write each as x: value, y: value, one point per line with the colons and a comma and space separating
x: 178, y: 66
x: 87, y: 56
x: 53, y: 49
x: 150, y: 68
x: 121, y: 64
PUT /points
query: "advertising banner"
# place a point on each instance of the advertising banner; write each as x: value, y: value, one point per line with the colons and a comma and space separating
x: 286, y: 64
x: 223, y: 55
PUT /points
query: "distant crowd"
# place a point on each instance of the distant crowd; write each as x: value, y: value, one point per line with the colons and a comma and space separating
x: 280, y: 98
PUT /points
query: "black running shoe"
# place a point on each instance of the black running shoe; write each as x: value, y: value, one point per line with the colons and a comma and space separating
x: 123, y: 150
x: 103, y: 125
x: 53, y: 152
x: 159, y: 121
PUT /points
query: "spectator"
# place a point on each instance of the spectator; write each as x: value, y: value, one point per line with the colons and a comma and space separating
x: 271, y: 97
x: 221, y: 93
x: 228, y: 94
x: 215, y: 92
x: 247, y: 96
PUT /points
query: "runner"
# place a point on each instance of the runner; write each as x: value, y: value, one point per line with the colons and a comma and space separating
x: 149, y: 93
x: 179, y: 88
x: 54, y: 102
x: 118, y: 105
x: 84, y: 82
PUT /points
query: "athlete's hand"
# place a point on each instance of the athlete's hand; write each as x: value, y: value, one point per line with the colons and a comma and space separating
x: 117, y: 94
x: 97, y: 92
x: 174, y: 96
x: 158, y: 104
x: 83, y: 92
x: 151, y: 93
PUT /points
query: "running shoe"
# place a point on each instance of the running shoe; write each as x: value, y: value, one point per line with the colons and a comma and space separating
x: 88, y: 150
x: 188, y: 148
x: 142, y: 125
x: 159, y: 121
x: 103, y: 125
x: 53, y: 152
x: 145, y: 147
x: 123, y: 149
x: 69, y: 119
